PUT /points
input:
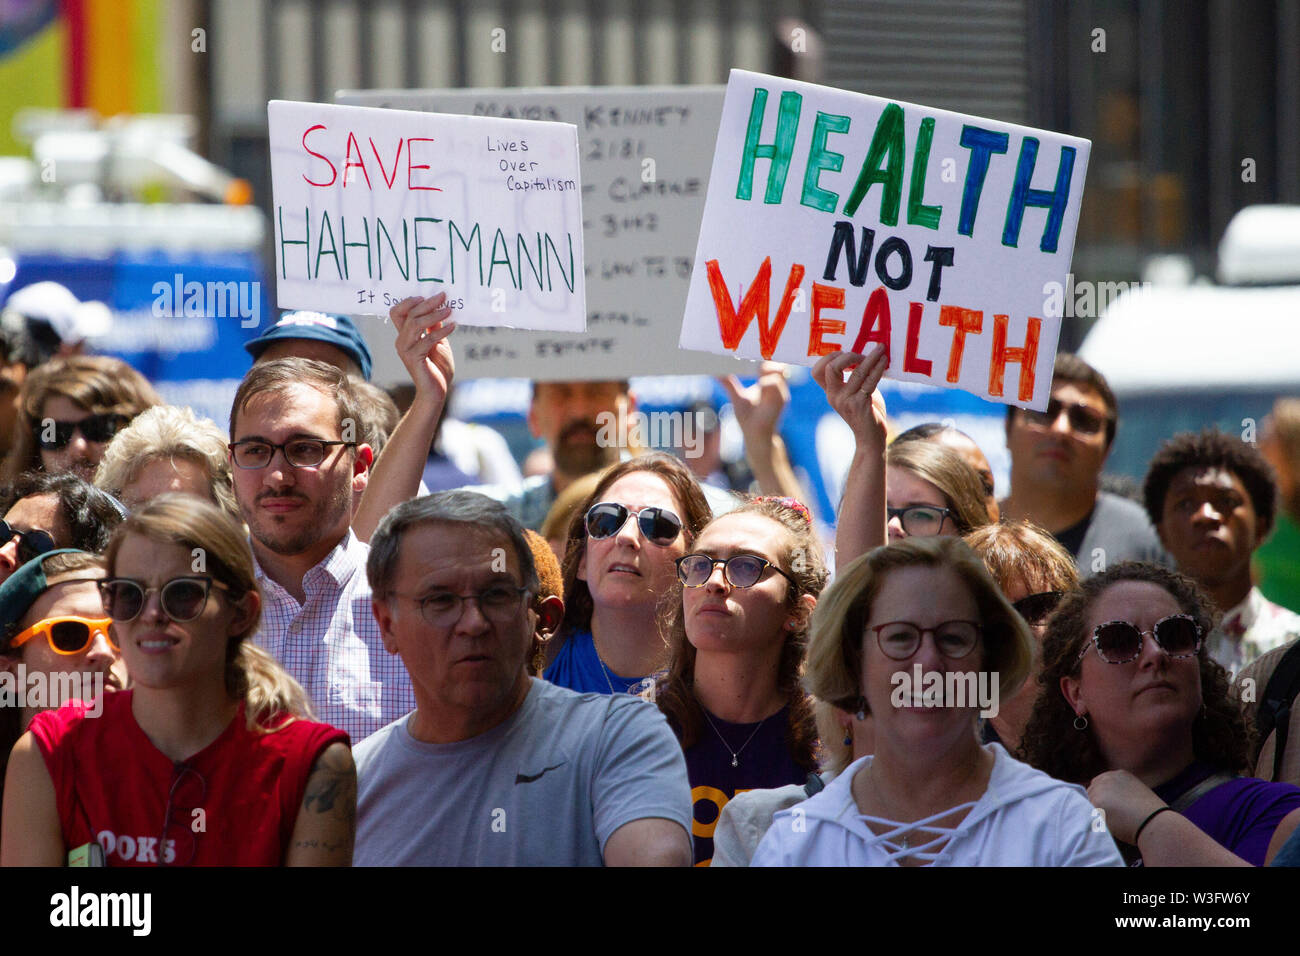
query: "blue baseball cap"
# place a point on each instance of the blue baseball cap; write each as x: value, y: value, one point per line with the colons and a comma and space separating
x: 335, y: 330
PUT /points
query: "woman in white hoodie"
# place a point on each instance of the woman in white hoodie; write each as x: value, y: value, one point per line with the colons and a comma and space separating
x: 917, y: 635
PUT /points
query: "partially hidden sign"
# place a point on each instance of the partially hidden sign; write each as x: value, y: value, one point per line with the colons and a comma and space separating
x: 836, y: 220
x: 374, y: 205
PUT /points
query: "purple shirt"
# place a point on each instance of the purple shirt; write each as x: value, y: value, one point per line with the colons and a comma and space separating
x: 1240, y: 815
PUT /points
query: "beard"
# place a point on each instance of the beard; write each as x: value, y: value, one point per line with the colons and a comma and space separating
x: 317, y: 523
x: 577, y: 452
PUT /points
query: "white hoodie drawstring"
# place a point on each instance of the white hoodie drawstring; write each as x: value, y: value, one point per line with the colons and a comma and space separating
x: 889, y: 844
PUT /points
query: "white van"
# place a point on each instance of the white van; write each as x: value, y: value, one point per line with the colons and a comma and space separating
x: 1184, y: 358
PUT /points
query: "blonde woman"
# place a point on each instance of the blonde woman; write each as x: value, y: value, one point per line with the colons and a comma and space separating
x: 210, y: 730
x: 168, y: 448
x: 930, y: 794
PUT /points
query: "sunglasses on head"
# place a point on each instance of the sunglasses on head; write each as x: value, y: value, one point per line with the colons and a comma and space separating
x: 1119, y: 642
x: 67, y: 635
x: 54, y: 435
x: 658, y: 525
x: 1037, y: 608
x: 740, y: 570
x: 181, y: 599
x: 31, y: 544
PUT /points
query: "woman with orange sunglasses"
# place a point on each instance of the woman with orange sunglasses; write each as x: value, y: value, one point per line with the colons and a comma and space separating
x: 54, y: 641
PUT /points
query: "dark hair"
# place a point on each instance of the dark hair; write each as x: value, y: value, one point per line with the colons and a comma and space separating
x: 801, y: 558
x: 1220, y: 736
x: 280, y: 374
x: 684, y: 487
x: 90, y: 514
x: 1211, y: 448
x: 455, y: 507
x: 1074, y: 370
x: 925, y: 431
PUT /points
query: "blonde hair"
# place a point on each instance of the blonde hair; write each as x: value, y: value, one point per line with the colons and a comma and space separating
x: 165, y: 432
x: 956, y: 480
x: 566, y: 503
x: 97, y: 383
x: 252, y: 675
x: 834, y: 669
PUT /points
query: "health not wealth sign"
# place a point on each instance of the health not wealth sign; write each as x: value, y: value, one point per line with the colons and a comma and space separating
x: 836, y: 220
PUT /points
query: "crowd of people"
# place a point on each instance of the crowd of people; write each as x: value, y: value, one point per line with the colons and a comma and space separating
x: 345, y: 633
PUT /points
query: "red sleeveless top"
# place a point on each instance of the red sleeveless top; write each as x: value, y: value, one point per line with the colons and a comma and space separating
x: 234, y: 803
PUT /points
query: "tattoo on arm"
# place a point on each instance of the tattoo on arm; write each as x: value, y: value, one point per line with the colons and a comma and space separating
x: 332, y: 786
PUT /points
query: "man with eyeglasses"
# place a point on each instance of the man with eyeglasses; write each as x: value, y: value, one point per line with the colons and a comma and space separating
x: 493, y: 767
x: 43, y: 512
x: 1057, y: 458
x: 298, y: 458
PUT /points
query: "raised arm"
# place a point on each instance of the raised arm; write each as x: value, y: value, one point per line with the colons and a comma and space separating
x: 861, y: 524
x: 32, y: 834
x: 422, y: 330
x: 758, y: 411
x: 326, y: 827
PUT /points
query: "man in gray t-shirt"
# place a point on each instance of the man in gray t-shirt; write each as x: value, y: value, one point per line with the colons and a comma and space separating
x: 494, y: 767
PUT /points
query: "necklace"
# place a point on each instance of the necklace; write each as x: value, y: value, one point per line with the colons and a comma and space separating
x: 605, y: 670
x: 735, y: 754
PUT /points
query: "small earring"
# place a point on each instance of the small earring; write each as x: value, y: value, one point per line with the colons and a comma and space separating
x: 848, y: 736
x: 861, y: 714
x: 1081, y: 726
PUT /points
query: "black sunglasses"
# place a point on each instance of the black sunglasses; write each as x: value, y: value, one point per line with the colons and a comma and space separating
x: 1082, y: 418
x: 182, y: 599
x: 31, y: 544
x: 1119, y: 642
x: 54, y: 435
x: 658, y: 525
x: 1037, y: 608
x: 740, y: 570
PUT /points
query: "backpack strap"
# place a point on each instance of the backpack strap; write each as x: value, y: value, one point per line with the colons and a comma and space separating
x: 1188, y: 797
x: 1274, y: 710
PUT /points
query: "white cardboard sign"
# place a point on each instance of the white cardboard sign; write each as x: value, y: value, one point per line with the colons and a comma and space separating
x: 645, y: 154
x: 834, y: 220
x: 372, y: 206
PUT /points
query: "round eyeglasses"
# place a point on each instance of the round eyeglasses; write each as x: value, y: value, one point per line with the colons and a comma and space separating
x: 899, y: 640
x: 1119, y: 642
x: 740, y: 570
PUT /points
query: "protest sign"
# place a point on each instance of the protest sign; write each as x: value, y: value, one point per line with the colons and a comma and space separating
x: 372, y: 206
x: 835, y: 220
x: 645, y: 155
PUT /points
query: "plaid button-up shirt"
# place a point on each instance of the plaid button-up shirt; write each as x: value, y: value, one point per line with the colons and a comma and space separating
x: 332, y: 646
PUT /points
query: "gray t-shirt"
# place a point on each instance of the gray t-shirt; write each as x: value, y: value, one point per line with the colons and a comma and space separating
x: 545, y: 788
x: 1116, y: 530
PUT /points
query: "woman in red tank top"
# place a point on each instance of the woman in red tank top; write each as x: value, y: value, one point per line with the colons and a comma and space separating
x: 210, y: 758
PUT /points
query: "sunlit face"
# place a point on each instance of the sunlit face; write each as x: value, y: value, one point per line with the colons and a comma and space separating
x: 476, y: 663
x: 33, y: 513
x: 291, y: 510
x: 1153, y: 698
x: 927, y: 597
x: 99, y: 660
x: 905, y: 489
x: 161, y: 476
x: 79, y: 456
x: 726, y: 619
x: 1059, y: 453
x: 626, y: 570
x: 1209, y: 525
x: 162, y: 653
